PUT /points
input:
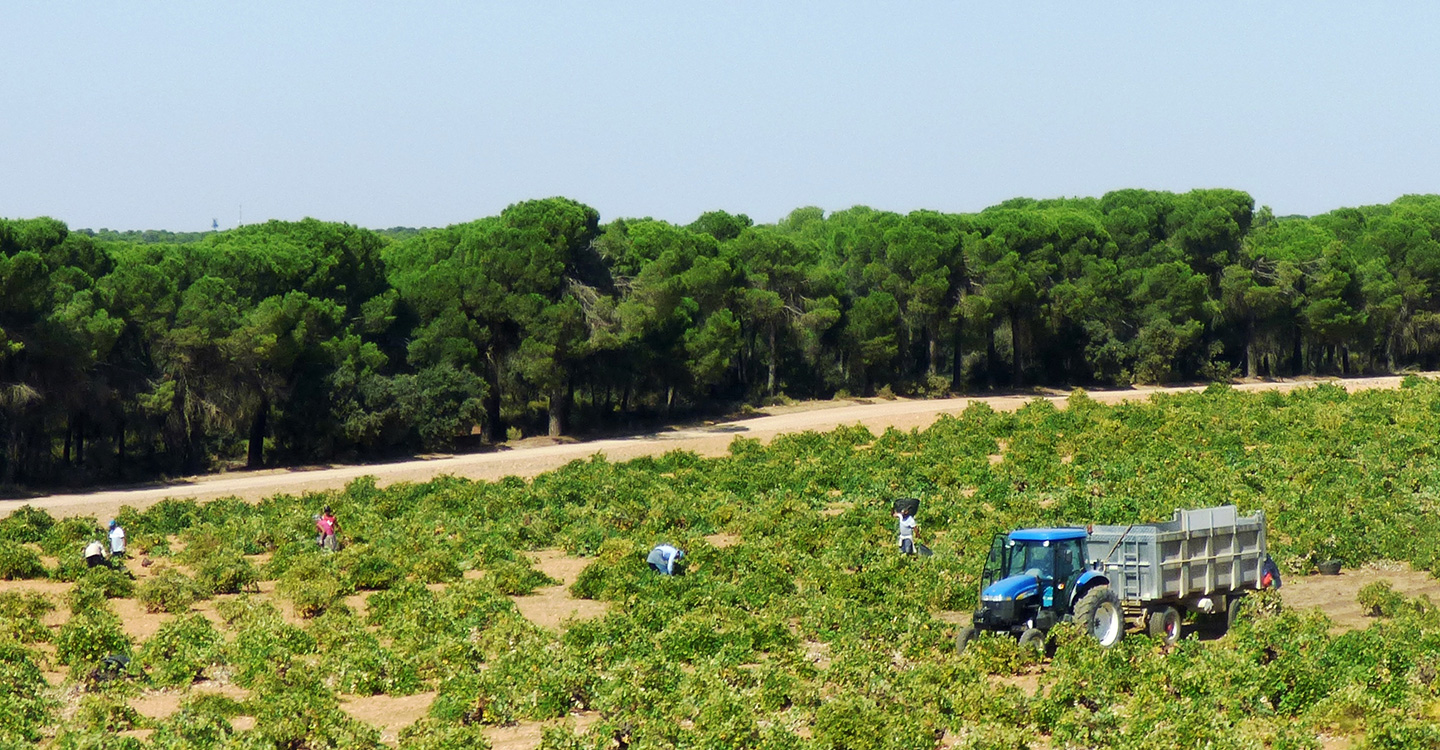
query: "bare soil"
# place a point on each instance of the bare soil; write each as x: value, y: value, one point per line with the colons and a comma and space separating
x: 389, y: 714
x: 1336, y: 595
x: 392, y: 714
x: 553, y: 606
x: 160, y: 704
x: 526, y: 735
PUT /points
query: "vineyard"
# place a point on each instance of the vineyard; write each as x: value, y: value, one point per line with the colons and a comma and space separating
x: 804, y: 630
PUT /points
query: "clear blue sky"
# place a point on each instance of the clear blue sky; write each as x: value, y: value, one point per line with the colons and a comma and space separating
x: 164, y: 115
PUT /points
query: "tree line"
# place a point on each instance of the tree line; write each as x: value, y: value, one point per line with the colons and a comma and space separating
x: 126, y: 355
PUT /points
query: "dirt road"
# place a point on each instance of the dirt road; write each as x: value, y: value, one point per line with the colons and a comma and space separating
x: 538, y: 455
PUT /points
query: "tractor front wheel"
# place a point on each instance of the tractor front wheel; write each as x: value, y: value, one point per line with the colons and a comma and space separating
x: 1033, y: 638
x: 963, y: 638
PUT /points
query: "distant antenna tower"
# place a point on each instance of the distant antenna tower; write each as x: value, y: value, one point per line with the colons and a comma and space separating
x: 242, y: 215
x: 214, y: 223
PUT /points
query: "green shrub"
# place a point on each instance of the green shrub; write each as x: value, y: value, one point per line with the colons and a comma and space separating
x: 96, y: 585
x: 355, y: 661
x: 402, y: 600
x: 472, y: 699
x: 68, y: 536
x: 20, y: 613
x: 113, y: 583
x: 26, y: 524
x: 434, y: 734
x: 436, y: 566
x: 25, y: 705
x: 95, y: 739
x: 193, y: 727
x: 85, y: 597
x: 226, y: 573
x: 70, y: 568
x: 468, y: 606
x: 88, y: 637
x: 616, y: 571
x: 583, y: 540
x: 169, y: 516
x: 17, y: 562
x: 518, y: 578
x: 108, y: 713
x: 199, y: 544
x: 181, y: 651
x: 850, y: 722
x: 312, y: 586
x: 146, y: 544
x: 265, y: 645
x: 1378, y: 599
x: 24, y: 604
x: 1002, y: 654
x: 245, y: 609
x: 294, y: 709
x: 368, y: 570
x: 287, y: 554
x: 213, y: 703
x: 168, y: 591
x: 201, y: 722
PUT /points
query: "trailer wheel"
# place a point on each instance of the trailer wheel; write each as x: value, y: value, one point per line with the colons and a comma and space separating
x: 1234, y: 609
x: 1100, y: 613
x: 963, y: 638
x: 1033, y: 638
x: 1165, y: 623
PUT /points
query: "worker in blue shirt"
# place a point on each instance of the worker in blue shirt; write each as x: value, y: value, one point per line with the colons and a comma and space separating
x: 663, y: 560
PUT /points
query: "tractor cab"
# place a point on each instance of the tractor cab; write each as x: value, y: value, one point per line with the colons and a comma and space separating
x: 1030, y: 578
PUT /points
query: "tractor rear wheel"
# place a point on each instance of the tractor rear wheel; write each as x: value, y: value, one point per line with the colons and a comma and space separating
x: 1100, y: 613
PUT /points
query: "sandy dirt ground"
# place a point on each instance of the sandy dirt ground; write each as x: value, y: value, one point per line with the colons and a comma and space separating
x: 388, y: 713
x: 535, y: 456
x: 1336, y: 595
x: 551, y: 606
x: 526, y: 735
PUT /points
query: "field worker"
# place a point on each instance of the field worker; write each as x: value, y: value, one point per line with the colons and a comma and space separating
x: 94, y: 554
x: 1270, y: 574
x: 117, y: 539
x: 663, y: 560
x: 906, y: 532
x: 327, y: 527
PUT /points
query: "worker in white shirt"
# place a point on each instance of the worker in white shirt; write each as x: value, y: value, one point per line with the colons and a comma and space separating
x: 94, y: 554
x: 906, y: 532
x: 663, y: 560
x: 117, y: 539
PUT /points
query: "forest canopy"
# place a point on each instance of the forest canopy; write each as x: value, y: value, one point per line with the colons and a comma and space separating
x: 133, y: 354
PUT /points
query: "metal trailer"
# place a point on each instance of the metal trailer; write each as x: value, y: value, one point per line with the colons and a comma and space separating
x: 1203, y: 561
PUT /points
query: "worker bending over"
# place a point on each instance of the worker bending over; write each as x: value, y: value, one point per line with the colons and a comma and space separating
x: 664, y: 558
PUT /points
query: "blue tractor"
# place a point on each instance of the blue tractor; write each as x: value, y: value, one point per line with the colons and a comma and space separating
x: 1035, y: 579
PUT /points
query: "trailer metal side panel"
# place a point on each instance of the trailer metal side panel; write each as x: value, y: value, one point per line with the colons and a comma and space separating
x: 1199, y: 553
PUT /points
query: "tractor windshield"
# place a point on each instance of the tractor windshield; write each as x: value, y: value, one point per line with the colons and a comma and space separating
x: 1051, y: 560
x: 1030, y: 558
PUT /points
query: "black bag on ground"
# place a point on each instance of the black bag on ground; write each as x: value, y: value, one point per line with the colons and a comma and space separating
x: 903, y: 505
